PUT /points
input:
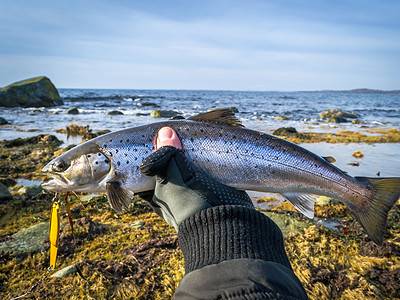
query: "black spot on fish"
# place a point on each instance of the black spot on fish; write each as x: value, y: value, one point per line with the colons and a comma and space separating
x: 121, y: 141
x: 127, y: 140
x: 105, y: 146
x: 110, y: 140
x: 201, y: 130
x: 234, y: 137
x: 126, y: 154
x: 96, y: 162
x: 276, y: 157
x: 98, y: 154
x: 127, y: 162
x: 237, y: 156
x: 135, y: 158
x: 116, y: 150
x: 192, y: 139
x: 106, y: 161
x: 227, y: 151
x: 89, y: 156
x: 118, y: 163
x: 135, y: 149
x: 143, y: 135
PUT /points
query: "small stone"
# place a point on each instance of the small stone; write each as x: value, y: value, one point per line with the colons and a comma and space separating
x: 358, y: 154
x: 115, y: 113
x: 3, y: 121
x: 65, y: 271
x: 73, y: 111
x: 139, y: 224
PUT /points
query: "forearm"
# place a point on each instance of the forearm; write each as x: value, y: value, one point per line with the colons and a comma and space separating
x: 233, y: 249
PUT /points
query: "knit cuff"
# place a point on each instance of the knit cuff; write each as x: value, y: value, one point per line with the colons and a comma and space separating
x: 229, y: 232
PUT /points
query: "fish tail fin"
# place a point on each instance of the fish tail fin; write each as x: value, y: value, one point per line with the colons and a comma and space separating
x: 373, y: 218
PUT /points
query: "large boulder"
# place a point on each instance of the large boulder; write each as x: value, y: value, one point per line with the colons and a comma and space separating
x: 337, y: 116
x: 32, y: 92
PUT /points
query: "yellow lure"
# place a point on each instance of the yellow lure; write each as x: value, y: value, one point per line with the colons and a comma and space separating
x: 54, y: 232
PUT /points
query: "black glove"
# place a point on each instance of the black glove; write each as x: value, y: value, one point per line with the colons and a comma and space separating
x: 183, y: 190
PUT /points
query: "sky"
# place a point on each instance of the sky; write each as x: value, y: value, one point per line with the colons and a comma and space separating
x: 209, y: 44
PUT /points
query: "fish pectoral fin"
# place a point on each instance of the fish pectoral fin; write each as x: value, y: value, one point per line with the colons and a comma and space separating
x: 118, y: 197
x: 303, y: 202
x: 330, y: 159
x: 224, y: 116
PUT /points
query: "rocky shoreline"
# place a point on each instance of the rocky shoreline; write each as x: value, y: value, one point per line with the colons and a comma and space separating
x: 135, y: 254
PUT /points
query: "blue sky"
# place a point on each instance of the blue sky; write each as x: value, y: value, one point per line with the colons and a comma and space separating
x: 234, y: 45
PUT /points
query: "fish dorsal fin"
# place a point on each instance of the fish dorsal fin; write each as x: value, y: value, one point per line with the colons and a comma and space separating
x: 330, y: 159
x: 220, y: 116
x: 303, y: 203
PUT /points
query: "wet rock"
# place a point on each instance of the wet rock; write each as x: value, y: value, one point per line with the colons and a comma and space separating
x: 280, y: 118
x: 32, y: 92
x: 73, y: 111
x: 65, y: 271
x: 115, y: 113
x: 163, y: 113
x: 3, y: 121
x: 27, y: 241
x: 149, y: 104
x: 4, y: 193
x: 337, y: 116
x: 358, y: 154
x: 142, y: 114
x: 7, y: 181
x: 286, y: 131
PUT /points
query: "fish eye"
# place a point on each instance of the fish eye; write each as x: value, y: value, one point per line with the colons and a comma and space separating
x: 60, y: 166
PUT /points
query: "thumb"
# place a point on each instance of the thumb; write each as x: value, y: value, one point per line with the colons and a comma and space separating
x: 166, y: 136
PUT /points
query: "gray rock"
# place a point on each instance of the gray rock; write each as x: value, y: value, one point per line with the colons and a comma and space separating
x: 28, y: 240
x: 65, y: 271
x: 163, y: 113
x: 4, y: 193
x: 3, y: 121
x: 115, y: 113
x: 32, y: 92
x: 73, y: 111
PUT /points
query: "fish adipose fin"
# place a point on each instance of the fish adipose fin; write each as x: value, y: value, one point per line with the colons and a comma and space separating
x: 220, y: 116
x: 118, y: 197
x: 303, y: 202
x: 373, y: 217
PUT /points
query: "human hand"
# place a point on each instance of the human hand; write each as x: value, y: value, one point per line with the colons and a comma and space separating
x: 182, y: 189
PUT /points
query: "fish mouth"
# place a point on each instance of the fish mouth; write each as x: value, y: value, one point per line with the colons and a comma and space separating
x: 57, y: 182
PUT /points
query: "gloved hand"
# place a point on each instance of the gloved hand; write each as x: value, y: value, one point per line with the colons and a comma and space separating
x: 182, y: 189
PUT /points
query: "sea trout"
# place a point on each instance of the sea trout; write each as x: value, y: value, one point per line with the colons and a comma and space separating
x: 239, y: 157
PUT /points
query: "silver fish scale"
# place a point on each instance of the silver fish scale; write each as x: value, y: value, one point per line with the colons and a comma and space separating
x: 236, y: 156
